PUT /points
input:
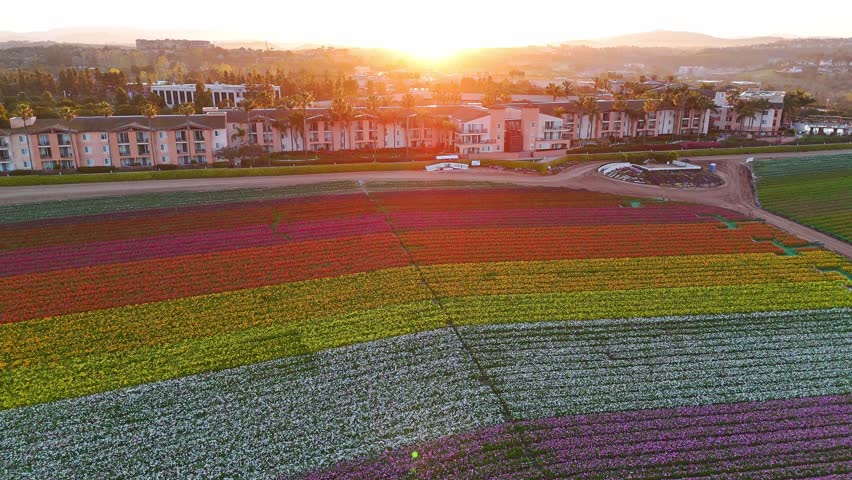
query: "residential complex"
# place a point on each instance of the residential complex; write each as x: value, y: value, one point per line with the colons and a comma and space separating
x: 170, y: 44
x: 51, y: 144
x: 176, y: 94
x: 765, y: 121
x: 519, y: 128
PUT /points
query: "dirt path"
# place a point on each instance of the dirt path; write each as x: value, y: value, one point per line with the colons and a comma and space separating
x: 735, y: 194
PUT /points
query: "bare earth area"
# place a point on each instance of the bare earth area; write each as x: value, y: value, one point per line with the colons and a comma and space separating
x: 736, y: 193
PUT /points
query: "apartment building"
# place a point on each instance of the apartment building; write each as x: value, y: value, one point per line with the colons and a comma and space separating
x: 222, y: 94
x: 764, y: 122
x: 125, y: 141
x: 120, y: 141
x: 171, y: 44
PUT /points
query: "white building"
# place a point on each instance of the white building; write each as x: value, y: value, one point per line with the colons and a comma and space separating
x: 176, y: 94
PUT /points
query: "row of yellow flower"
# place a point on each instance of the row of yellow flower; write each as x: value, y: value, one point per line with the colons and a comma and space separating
x: 630, y: 273
x: 90, y: 352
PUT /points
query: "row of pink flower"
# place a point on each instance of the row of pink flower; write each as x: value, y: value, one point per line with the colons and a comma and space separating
x: 61, y: 257
x: 774, y: 439
x: 560, y: 216
x: 42, y: 259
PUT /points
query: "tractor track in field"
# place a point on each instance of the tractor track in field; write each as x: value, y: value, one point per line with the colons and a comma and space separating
x: 736, y: 194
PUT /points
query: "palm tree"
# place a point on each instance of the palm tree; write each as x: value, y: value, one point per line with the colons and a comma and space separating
x: 68, y: 114
x: 679, y: 101
x: 408, y: 103
x: 26, y: 113
x: 703, y: 104
x: 248, y: 105
x: 567, y: 88
x: 745, y: 109
x: 284, y: 105
x: 795, y: 101
x: 374, y: 103
x: 588, y: 106
x: 732, y: 95
x: 633, y: 114
x: 305, y: 100
x: 760, y: 105
x: 553, y: 90
x: 297, y: 125
x: 150, y: 111
x: 104, y: 108
x: 620, y: 105
x: 187, y: 109
x: 341, y: 111
x: 651, y: 105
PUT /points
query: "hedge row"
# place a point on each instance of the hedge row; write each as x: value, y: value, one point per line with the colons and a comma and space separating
x: 18, y: 181
x: 707, y: 152
x: 542, y: 168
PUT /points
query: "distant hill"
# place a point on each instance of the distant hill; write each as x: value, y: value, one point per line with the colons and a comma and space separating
x: 666, y: 38
x: 122, y: 37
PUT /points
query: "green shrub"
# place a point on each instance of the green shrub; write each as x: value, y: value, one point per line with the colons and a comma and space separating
x: 95, y: 169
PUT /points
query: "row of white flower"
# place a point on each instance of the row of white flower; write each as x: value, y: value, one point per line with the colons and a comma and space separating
x: 274, y: 418
x: 297, y: 414
x: 548, y: 369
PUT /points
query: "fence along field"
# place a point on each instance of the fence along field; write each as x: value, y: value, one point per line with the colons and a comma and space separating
x: 330, y: 332
x: 814, y: 191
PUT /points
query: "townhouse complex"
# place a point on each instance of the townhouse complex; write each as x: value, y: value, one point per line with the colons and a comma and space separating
x: 131, y: 141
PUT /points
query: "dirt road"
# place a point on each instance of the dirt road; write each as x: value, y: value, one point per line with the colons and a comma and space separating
x: 735, y: 194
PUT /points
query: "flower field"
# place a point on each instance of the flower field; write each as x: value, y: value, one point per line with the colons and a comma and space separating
x: 498, y: 332
x: 814, y: 191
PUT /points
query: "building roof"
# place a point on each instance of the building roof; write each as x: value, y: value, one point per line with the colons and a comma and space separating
x: 116, y: 123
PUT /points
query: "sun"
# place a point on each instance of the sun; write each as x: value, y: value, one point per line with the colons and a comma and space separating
x: 432, y: 50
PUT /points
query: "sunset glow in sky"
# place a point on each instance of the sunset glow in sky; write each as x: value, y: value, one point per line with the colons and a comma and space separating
x: 435, y: 28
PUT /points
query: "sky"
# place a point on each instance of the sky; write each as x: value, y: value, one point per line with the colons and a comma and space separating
x: 438, y: 27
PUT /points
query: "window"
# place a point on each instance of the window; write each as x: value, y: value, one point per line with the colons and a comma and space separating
x: 163, y: 134
x: 218, y: 145
x: 123, y: 137
x: 216, y: 133
x: 86, y: 137
x: 26, y: 164
x: 104, y: 137
x: 87, y: 149
x: 532, y: 124
x: 25, y: 151
x: 90, y: 162
x: 106, y: 148
x: 107, y: 162
x: 165, y: 159
x: 163, y: 147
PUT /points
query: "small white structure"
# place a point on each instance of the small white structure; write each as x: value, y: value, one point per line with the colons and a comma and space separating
x: 446, y: 166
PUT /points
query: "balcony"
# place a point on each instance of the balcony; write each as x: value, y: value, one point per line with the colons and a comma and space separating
x: 475, y: 142
x: 43, y: 141
x: 65, y: 152
x: 471, y: 131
